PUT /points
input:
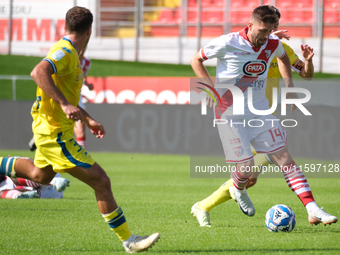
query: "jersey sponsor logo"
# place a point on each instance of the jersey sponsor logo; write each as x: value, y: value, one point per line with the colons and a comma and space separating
x: 246, y: 83
x: 241, y: 53
x: 59, y: 54
x: 255, y: 68
x: 238, y: 151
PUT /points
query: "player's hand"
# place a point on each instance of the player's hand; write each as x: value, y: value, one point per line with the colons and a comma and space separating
x: 292, y: 95
x: 281, y: 34
x: 307, y: 52
x: 72, y: 112
x: 90, y: 86
x: 96, y: 128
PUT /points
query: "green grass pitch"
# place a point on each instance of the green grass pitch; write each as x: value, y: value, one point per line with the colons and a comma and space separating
x: 156, y: 194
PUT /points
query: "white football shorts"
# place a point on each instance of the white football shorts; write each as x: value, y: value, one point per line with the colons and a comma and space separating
x: 264, y: 133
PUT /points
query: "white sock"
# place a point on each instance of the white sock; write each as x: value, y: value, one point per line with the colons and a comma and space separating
x: 127, y: 241
x: 311, y: 207
x: 239, y: 192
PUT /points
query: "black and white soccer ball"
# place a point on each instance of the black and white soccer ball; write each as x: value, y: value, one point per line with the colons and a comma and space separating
x: 280, y: 218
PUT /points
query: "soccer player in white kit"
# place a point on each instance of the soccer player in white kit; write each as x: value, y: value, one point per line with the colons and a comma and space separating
x: 18, y: 188
x: 243, y: 61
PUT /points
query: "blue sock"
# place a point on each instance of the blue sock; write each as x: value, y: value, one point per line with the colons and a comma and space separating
x: 7, y: 166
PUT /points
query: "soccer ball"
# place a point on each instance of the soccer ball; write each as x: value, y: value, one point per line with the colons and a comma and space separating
x: 280, y: 218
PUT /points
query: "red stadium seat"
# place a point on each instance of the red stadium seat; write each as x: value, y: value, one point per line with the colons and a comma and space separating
x: 218, y: 3
x: 236, y: 3
x: 192, y: 3
x: 284, y: 5
x: 252, y: 3
x: 166, y: 16
x: 306, y: 3
x: 331, y: 16
x: 192, y: 16
x: 207, y: 3
x: 332, y: 4
x: 212, y: 16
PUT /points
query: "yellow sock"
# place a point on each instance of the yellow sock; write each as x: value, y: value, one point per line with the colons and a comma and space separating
x: 218, y: 197
x: 118, y: 224
x: 222, y: 194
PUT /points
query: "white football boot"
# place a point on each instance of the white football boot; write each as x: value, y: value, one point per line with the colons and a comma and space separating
x: 202, y: 216
x: 60, y: 183
x: 243, y: 200
x: 140, y: 243
x: 28, y: 195
x: 320, y: 216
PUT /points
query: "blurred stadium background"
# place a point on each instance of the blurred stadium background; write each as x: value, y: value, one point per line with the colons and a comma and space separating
x: 166, y: 31
x: 149, y: 114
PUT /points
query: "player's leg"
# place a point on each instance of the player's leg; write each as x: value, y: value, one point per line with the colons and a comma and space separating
x: 240, y: 176
x: 298, y: 183
x: 80, y: 134
x: 8, y: 189
x: 18, y: 194
x: 260, y: 160
x: 231, y: 141
x: 223, y: 193
x: 59, y: 183
x: 66, y: 155
x: 97, y: 179
x: 25, y: 168
x: 201, y: 209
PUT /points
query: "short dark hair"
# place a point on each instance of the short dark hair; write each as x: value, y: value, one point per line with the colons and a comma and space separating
x: 276, y: 11
x: 78, y: 20
x: 265, y: 14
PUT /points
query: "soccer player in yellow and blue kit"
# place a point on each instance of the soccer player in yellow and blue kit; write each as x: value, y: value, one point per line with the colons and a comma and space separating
x: 305, y: 69
x: 59, y: 78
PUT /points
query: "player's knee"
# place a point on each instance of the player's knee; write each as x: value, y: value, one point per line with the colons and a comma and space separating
x: 252, y: 182
x: 42, y: 179
x: 103, y: 183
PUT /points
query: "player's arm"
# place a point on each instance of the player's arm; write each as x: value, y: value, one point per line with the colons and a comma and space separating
x: 95, y: 127
x: 203, y: 74
x: 41, y: 74
x: 286, y: 73
x: 307, y: 70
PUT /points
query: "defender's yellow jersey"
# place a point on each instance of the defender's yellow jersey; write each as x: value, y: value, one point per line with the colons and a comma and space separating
x: 48, y: 117
x: 273, y: 78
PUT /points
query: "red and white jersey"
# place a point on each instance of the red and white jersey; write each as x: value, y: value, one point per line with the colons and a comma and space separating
x: 6, y: 183
x: 241, y: 64
x: 85, y: 66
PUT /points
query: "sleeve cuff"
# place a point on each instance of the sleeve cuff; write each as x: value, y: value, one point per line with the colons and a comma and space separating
x: 52, y: 64
x: 203, y: 56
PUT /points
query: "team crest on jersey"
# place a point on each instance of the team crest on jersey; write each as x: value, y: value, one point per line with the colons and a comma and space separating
x: 255, y: 68
x: 59, y: 54
x: 238, y: 151
x: 268, y: 53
